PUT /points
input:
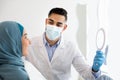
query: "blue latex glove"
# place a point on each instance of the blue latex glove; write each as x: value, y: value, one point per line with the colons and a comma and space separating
x: 98, y: 61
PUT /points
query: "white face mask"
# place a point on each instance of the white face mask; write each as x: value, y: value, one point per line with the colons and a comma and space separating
x: 53, y: 32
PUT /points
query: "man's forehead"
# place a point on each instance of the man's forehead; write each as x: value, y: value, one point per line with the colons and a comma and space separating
x: 57, y: 21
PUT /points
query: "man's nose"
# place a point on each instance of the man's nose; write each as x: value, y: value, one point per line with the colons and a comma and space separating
x: 55, y: 24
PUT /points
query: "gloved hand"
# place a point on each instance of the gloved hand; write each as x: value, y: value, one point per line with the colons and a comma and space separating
x: 98, y: 61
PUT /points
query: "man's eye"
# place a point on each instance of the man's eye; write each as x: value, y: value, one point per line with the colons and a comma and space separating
x: 59, y: 25
x: 50, y: 23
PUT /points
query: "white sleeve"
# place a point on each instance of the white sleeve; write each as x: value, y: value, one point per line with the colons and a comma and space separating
x: 82, y: 66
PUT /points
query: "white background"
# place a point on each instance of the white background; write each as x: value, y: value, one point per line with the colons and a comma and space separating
x: 82, y: 23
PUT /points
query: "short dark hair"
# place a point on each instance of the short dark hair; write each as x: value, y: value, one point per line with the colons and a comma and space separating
x: 59, y: 11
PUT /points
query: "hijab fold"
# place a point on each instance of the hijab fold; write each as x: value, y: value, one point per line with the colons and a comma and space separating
x: 10, y: 43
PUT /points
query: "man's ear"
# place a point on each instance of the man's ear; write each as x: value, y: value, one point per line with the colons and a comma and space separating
x: 65, y: 26
x: 46, y: 21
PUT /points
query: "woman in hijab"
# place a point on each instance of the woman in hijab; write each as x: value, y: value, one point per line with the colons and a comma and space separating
x: 13, y: 45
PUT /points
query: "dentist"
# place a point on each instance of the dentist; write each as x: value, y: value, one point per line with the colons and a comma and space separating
x: 53, y: 56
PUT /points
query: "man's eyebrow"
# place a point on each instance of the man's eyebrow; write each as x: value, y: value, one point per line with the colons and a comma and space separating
x: 53, y: 21
x: 50, y: 19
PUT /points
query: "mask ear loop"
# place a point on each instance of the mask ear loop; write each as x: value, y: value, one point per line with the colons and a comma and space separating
x: 103, y: 32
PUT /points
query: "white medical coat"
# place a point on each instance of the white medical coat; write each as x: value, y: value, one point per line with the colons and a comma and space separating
x: 64, y: 56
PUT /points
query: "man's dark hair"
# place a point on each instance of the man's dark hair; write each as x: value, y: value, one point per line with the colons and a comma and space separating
x: 59, y: 11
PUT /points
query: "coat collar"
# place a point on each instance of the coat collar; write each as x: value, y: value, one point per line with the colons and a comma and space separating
x: 61, y: 43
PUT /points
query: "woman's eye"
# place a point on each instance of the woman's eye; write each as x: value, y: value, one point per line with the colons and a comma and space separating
x: 25, y: 35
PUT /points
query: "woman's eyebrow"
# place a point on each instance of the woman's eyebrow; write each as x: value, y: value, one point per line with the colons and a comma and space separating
x: 25, y: 34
